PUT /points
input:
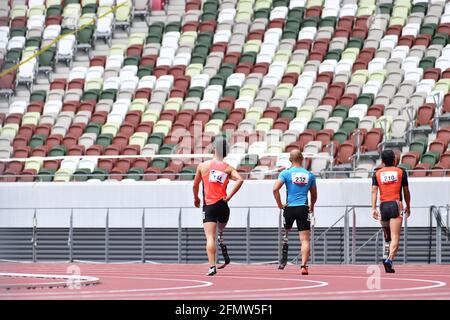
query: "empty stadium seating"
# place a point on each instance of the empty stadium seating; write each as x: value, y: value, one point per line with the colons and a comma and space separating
x: 340, y: 80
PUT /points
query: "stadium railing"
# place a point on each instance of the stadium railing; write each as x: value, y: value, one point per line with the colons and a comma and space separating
x: 349, y: 220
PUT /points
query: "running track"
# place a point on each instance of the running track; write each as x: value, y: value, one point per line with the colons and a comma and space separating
x: 251, y: 282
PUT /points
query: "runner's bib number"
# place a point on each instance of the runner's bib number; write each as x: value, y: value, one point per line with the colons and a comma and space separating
x: 389, y: 177
x: 217, y: 176
x: 300, y: 178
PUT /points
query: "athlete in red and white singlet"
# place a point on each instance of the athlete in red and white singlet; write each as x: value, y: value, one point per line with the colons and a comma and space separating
x: 215, y: 175
x: 215, y: 181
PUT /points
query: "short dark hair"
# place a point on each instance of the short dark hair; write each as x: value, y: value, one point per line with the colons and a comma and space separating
x: 388, y: 157
x: 221, y: 146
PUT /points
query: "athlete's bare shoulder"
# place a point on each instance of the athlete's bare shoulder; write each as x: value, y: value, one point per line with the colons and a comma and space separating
x: 230, y: 169
x: 204, y: 166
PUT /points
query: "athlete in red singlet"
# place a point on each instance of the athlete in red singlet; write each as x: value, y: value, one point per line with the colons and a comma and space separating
x: 390, y: 180
x: 215, y: 175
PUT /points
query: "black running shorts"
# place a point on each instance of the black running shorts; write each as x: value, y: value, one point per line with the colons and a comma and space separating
x: 217, y: 212
x: 298, y: 214
x: 389, y: 210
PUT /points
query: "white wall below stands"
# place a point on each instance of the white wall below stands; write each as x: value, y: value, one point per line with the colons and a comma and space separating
x: 162, y: 194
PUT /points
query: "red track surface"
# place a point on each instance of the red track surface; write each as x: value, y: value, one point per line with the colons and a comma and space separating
x: 170, y: 282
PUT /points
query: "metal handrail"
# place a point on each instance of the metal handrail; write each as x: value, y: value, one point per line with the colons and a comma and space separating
x: 329, y: 228
x: 183, y: 207
x: 375, y: 235
x: 435, y: 212
x: 259, y: 175
x: 349, y: 255
x: 447, y: 207
x: 296, y: 259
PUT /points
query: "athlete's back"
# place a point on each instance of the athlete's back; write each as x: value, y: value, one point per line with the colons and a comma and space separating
x: 298, y: 181
x: 390, y: 181
x: 215, y: 177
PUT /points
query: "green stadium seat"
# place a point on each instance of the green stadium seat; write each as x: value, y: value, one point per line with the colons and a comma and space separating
x: 288, y: 112
x: 161, y: 163
x: 99, y: 174
x: 45, y: 175
x: 365, y: 98
x: 419, y: 146
x: 430, y: 157
x: 350, y: 124
x: 81, y: 175
x: 57, y: 151
x: 340, y: 111
x: 135, y: 173
x: 38, y: 95
x: 174, y: 26
x: 167, y: 149
x: 187, y: 173
x: 37, y: 140
x: 316, y: 124
x: 104, y: 139
x: 341, y: 136
x: 93, y: 127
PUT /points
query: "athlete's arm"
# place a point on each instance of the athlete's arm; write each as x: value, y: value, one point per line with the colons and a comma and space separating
x: 313, y: 192
x: 406, y: 193
x: 235, y: 176
x: 276, y: 193
x: 407, y: 200
x: 375, y: 213
x: 195, y: 188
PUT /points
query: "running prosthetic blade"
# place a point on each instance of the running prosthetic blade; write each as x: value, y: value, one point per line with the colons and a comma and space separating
x: 386, y: 250
x: 284, y: 256
x: 225, y: 255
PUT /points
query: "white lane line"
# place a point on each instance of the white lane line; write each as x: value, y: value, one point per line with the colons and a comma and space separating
x: 113, y: 293
x: 226, y: 275
x: 436, y: 284
x: 237, y: 294
x: 82, y: 280
x: 202, y: 284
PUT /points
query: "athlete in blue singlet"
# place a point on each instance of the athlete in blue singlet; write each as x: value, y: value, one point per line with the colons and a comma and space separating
x: 299, y: 182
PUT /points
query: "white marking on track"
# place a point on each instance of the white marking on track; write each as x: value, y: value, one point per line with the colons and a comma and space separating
x: 202, y: 284
x: 116, y: 293
x: 251, y: 293
x: 284, y: 293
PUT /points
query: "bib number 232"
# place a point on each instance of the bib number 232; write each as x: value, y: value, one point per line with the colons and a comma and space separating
x: 217, y: 176
x: 300, y: 178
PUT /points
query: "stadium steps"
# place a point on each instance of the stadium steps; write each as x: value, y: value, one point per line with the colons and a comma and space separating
x: 139, y: 26
x: 157, y: 16
x: 15, y: 244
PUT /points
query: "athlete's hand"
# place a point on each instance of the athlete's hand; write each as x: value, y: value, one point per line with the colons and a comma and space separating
x: 282, y: 206
x: 375, y: 214
x: 311, y: 209
x: 407, y: 212
x: 197, y: 202
x: 225, y: 199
